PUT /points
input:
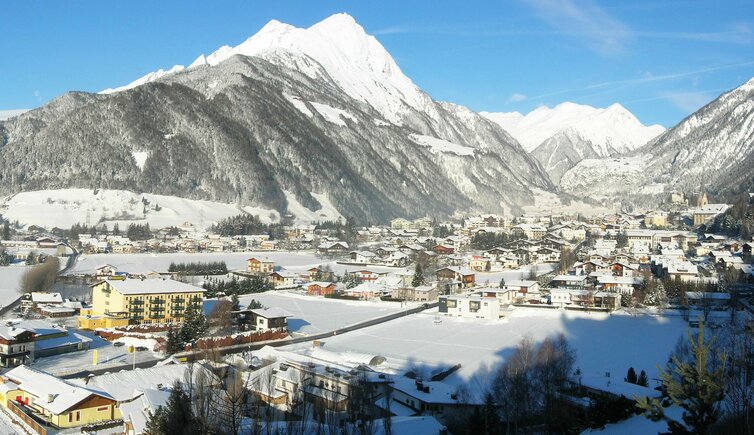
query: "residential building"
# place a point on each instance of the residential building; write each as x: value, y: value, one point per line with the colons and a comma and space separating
x: 262, y: 266
x: 319, y: 288
x: 54, y: 401
x: 463, y: 276
x: 473, y: 306
x: 139, y: 301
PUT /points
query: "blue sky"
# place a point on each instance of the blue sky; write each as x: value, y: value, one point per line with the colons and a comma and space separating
x: 662, y: 59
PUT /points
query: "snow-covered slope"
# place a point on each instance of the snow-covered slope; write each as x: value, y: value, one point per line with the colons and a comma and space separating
x: 613, y: 130
x: 319, y: 117
x: 65, y: 207
x: 356, y: 61
x: 713, y: 147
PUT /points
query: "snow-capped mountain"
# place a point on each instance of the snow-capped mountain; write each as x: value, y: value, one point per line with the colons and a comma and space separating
x: 562, y: 136
x: 713, y: 147
x: 318, y: 119
x: 613, y: 130
x: 356, y: 61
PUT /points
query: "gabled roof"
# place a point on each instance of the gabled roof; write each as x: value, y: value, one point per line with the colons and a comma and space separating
x: 43, y: 386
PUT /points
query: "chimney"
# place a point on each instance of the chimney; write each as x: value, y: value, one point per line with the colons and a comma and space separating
x: 50, y: 397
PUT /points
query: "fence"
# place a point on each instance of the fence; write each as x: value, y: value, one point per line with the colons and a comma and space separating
x: 30, y: 422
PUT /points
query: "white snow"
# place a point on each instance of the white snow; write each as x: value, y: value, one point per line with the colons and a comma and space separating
x: 356, y: 62
x: 7, y: 114
x: 327, y: 212
x: 312, y: 315
x: 613, y: 127
x: 603, y: 343
x: 605, y: 176
x: 64, y: 207
x: 10, y: 276
x: 333, y: 115
x: 145, y: 79
x: 299, y: 104
x: 141, y: 156
x: 441, y: 145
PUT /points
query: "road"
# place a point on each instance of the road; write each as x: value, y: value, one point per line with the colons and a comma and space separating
x: 195, y: 355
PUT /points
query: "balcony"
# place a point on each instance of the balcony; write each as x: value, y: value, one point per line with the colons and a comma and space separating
x: 137, y: 302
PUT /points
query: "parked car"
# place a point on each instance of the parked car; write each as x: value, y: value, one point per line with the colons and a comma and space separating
x: 118, y: 343
x: 140, y: 348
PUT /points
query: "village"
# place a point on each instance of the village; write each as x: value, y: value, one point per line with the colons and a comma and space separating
x: 271, y: 321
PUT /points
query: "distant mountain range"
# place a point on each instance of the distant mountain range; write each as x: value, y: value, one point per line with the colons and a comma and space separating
x: 322, y: 122
x: 712, y: 148
x: 568, y: 133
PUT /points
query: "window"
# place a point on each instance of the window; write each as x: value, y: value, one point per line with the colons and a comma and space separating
x: 78, y: 416
x: 70, y: 418
x: 103, y: 408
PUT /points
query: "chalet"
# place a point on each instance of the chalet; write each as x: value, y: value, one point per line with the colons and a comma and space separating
x: 283, y: 278
x: 366, y: 275
x: 332, y: 248
x: 269, y: 318
x: 16, y: 345
x: 443, y: 249
x: 319, y: 288
x: 362, y: 257
x: 522, y: 288
x: 269, y: 245
x: 262, y: 266
x: 425, y: 397
x: 620, y: 284
x: 545, y: 254
x: 569, y: 281
x: 55, y: 402
x: 368, y: 290
x: 105, y: 270
x: 422, y: 293
x: 464, y: 276
x: 384, y: 251
x: 479, y: 263
x: 530, y: 231
x: 397, y: 259
x: 317, y: 274
x: 504, y: 297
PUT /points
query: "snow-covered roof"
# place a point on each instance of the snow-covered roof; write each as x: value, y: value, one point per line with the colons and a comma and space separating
x: 64, y: 395
x: 271, y: 313
x: 46, y: 298
x: 130, y: 286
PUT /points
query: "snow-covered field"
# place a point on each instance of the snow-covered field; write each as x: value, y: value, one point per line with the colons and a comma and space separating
x: 82, y: 360
x: 293, y: 261
x: 9, y: 280
x: 603, y: 343
x: 312, y: 315
x: 65, y: 207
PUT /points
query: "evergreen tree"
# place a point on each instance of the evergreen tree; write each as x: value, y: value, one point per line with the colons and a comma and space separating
x: 116, y: 229
x: 693, y: 386
x: 418, y: 276
x: 254, y: 305
x: 502, y: 282
x: 6, y: 231
x: 235, y: 303
x: 194, y: 324
x: 631, y: 376
x: 175, y: 418
x: 174, y: 343
x: 642, y: 380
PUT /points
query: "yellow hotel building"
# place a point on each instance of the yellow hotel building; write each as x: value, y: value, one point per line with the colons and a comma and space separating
x: 135, y: 301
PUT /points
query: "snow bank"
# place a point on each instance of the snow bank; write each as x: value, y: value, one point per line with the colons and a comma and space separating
x: 333, y: 115
x: 441, y: 146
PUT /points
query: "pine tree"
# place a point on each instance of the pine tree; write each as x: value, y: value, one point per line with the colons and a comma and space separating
x: 194, y: 324
x: 6, y: 231
x: 693, y: 386
x: 642, y: 380
x: 631, y: 376
x: 175, y: 418
x: 418, y: 276
x: 174, y: 343
x: 502, y: 282
x: 236, y: 304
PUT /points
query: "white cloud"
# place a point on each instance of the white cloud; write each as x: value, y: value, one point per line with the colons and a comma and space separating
x: 687, y: 101
x: 516, y: 97
x: 584, y: 19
